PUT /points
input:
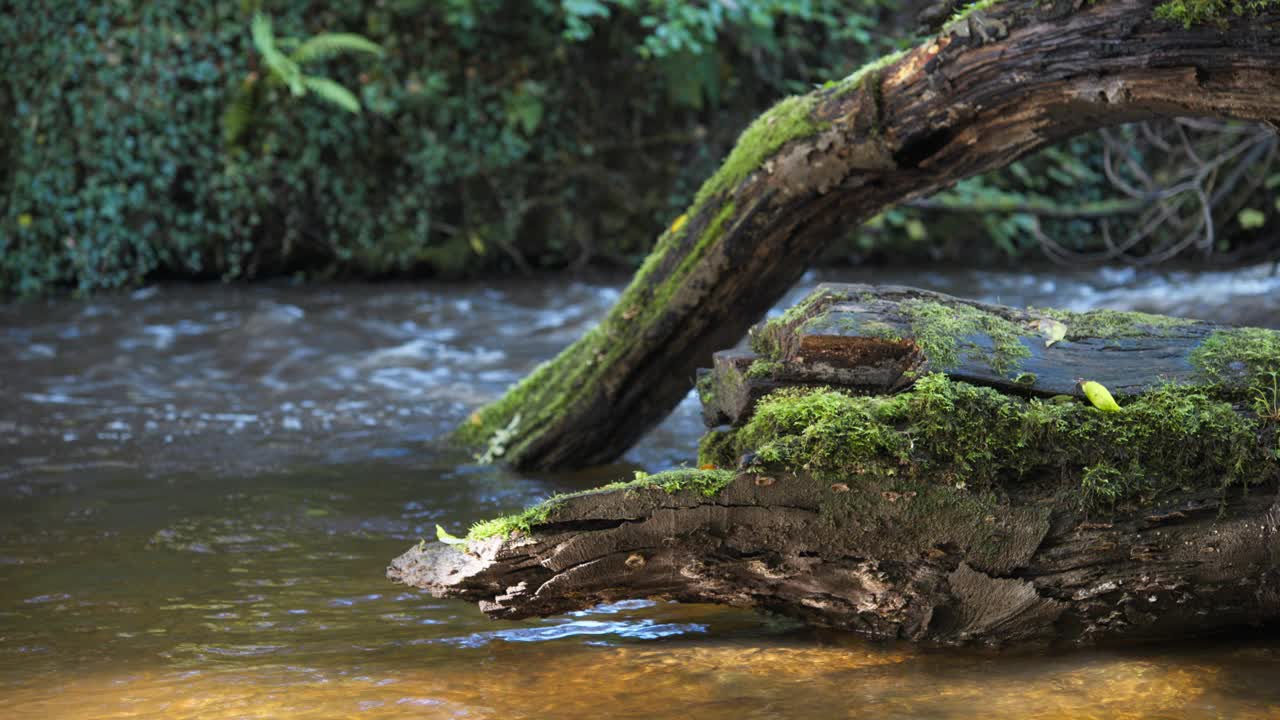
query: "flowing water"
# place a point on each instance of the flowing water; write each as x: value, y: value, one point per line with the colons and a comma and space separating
x: 200, y: 488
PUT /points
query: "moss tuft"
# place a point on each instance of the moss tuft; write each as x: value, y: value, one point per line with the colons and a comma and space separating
x: 716, y: 448
x: 1189, y: 13
x: 790, y: 119
x: 766, y: 338
x: 522, y: 522
x: 1228, y: 357
x: 763, y: 369
x: 944, y: 331
x: 959, y: 434
x: 706, y: 482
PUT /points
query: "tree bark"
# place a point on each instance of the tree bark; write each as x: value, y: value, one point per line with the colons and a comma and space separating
x: 984, y: 92
x: 1022, y: 573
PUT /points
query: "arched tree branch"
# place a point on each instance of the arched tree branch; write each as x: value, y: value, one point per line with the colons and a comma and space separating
x: 990, y: 88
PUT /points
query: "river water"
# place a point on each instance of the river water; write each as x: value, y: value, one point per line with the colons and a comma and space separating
x: 200, y: 488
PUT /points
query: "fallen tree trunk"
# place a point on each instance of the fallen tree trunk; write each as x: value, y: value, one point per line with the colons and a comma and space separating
x: 941, y: 511
x: 877, y: 340
x: 991, y: 87
x: 897, y: 568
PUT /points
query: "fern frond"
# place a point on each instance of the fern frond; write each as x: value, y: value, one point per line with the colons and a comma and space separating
x: 328, y: 45
x: 332, y: 92
x: 263, y: 37
x: 281, y: 67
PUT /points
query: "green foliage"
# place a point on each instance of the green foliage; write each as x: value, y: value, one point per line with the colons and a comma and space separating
x: 286, y: 70
x: 488, y: 126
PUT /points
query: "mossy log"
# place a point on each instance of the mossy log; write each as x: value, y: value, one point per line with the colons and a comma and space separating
x: 945, y: 508
x: 888, y: 559
x: 878, y: 339
x: 1004, y: 80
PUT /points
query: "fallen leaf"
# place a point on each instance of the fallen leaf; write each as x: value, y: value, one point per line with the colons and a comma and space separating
x: 1052, y: 330
x: 1100, y: 396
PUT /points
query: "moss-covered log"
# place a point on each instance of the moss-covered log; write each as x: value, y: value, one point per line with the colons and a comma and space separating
x: 876, y: 340
x: 1003, y: 80
x: 942, y: 510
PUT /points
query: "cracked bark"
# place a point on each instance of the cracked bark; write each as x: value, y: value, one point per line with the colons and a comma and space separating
x: 1025, y: 571
x: 992, y: 89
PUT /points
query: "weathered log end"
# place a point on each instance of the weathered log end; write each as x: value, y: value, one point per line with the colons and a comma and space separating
x: 896, y: 474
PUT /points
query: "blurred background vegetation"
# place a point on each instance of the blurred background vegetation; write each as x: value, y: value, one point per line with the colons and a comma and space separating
x: 167, y: 139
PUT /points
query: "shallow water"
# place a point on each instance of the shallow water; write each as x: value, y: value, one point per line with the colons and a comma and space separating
x: 200, y: 488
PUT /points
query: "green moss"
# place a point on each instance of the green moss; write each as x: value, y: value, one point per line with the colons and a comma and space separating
x: 531, y: 402
x: 790, y: 119
x: 958, y: 434
x: 547, y: 392
x: 763, y: 369
x: 1248, y: 361
x: 706, y: 387
x: 766, y: 337
x: 1111, y: 324
x: 944, y: 331
x: 706, y: 482
x: 1241, y: 354
x: 1104, y: 484
x: 957, y: 448
x: 877, y: 329
x: 523, y: 521
x: 715, y: 229
x: 716, y: 448
x: 1210, y: 12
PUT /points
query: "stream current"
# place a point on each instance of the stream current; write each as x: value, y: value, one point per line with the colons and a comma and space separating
x: 201, y: 486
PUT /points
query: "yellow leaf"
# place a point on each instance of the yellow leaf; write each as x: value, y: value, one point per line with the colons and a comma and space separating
x: 1100, y: 396
x: 25, y: 220
x: 679, y: 223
